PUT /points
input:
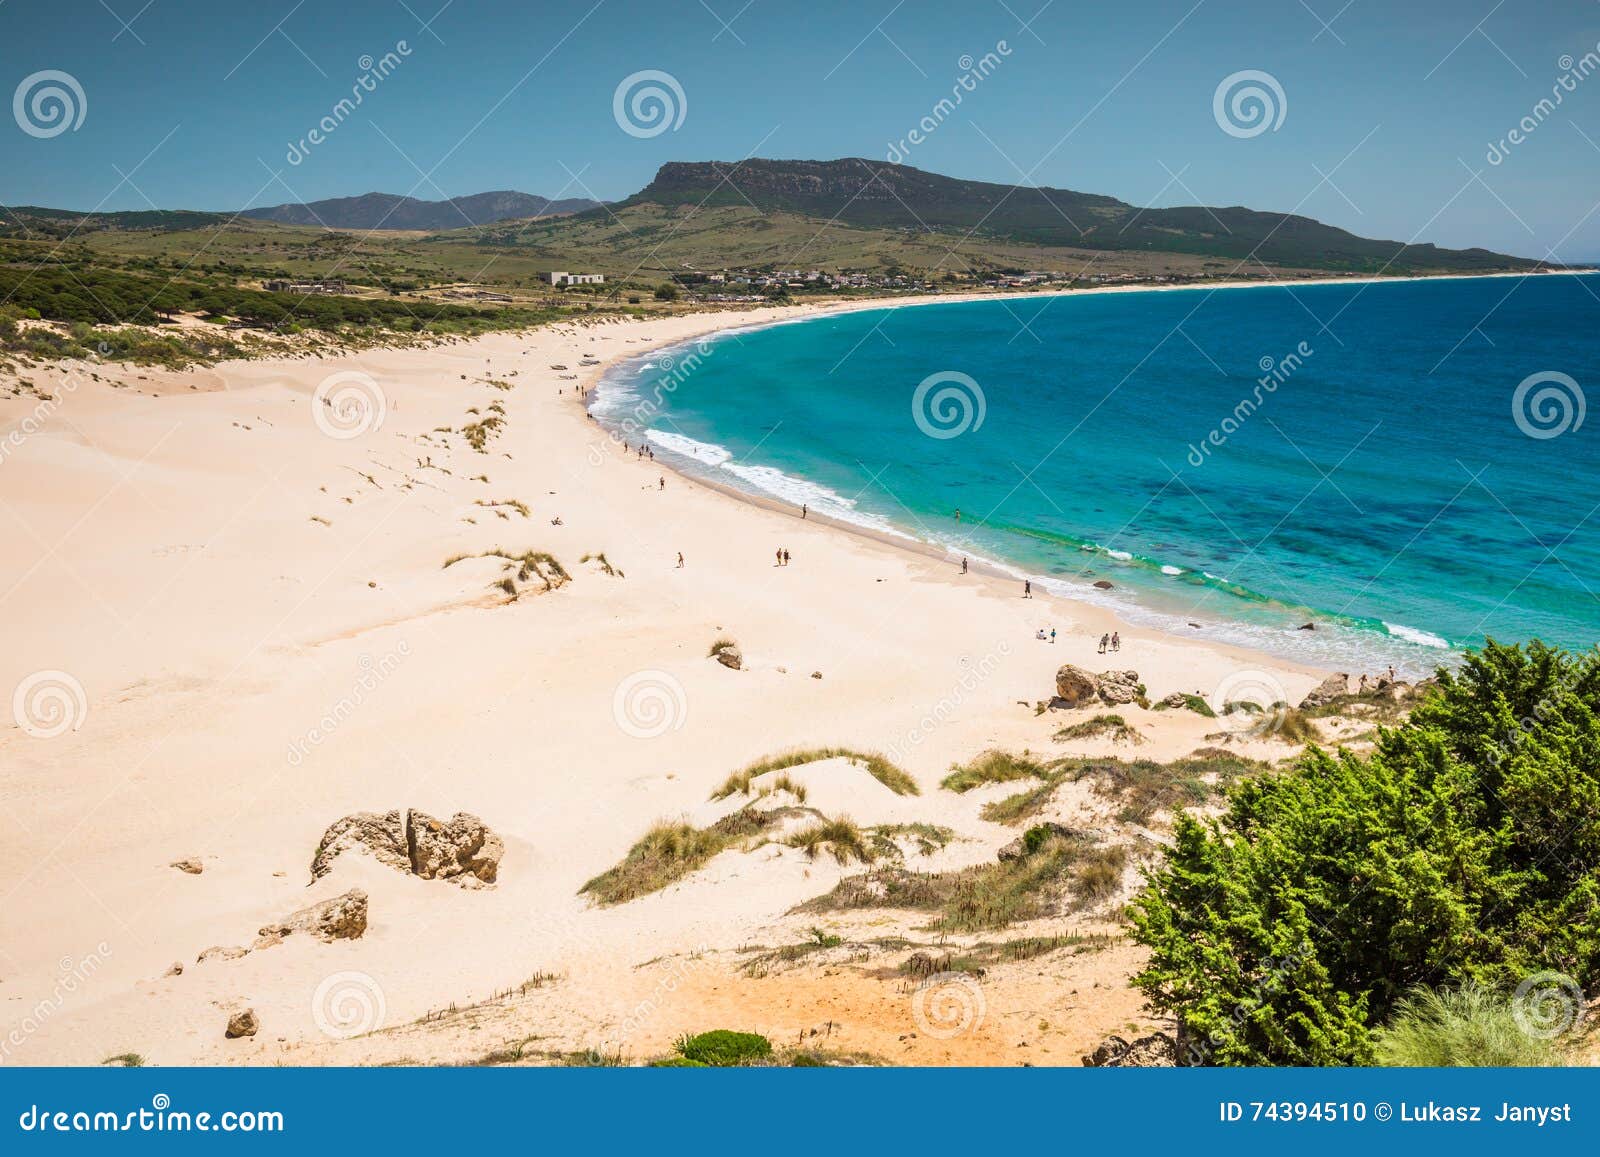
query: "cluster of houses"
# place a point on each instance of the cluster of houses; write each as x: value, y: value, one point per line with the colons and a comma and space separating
x: 562, y: 277
x: 304, y: 288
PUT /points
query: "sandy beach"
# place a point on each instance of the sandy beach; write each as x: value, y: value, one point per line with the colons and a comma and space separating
x: 230, y: 624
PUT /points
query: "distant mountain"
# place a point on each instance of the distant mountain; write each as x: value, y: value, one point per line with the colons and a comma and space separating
x: 879, y: 195
x: 391, y: 211
x: 33, y: 221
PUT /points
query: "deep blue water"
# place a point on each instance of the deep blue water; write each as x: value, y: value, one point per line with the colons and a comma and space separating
x: 1377, y: 480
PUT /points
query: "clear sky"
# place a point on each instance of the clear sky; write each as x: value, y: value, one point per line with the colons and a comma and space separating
x: 1389, y: 106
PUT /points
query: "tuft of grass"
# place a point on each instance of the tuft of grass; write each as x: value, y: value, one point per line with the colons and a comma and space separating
x: 670, y: 851
x: 993, y: 767
x: 1145, y: 787
x: 125, y: 1060
x: 605, y: 564
x: 514, y: 503
x: 1469, y: 1026
x: 839, y: 836
x: 1113, y: 727
x: 928, y: 838
x: 722, y: 644
x: 1195, y: 703
x: 894, y: 778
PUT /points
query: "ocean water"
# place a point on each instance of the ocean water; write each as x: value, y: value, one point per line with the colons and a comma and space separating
x: 1400, y: 463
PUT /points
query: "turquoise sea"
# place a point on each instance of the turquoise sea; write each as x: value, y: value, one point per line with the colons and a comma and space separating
x: 1405, y: 464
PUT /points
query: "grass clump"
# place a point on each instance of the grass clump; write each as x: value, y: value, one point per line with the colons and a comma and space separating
x: 840, y: 836
x: 125, y: 1060
x: 668, y: 852
x: 1470, y: 1026
x: 722, y: 645
x: 605, y: 564
x: 1113, y: 727
x: 722, y: 1048
x: 1195, y: 703
x: 928, y: 838
x: 993, y: 767
x: 894, y: 778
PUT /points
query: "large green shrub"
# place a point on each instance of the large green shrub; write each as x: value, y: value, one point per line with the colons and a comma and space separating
x: 1465, y: 848
x: 722, y: 1048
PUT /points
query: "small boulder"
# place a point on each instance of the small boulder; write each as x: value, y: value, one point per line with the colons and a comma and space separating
x: 175, y: 970
x: 464, y: 849
x: 191, y: 866
x: 383, y: 835
x: 1176, y: 699
x: 1103, y: 584
x: 218, y: 952
x: 341, y: 918
x: 1119, y: 687
x: 730, y: 657
x: 243, y: 1024
x: 1332, y: 688
x: 1306, y: 627
x: 816, y: 674
x: 1075, y: 687
x: 1158, y: 1050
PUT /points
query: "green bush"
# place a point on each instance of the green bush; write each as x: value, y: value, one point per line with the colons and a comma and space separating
x: 722, y: 1048
x: 678, y: 1063
x: 1466, y: 847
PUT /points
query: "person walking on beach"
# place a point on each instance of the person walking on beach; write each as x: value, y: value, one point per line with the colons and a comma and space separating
x: 680, y: 560
x: 1105, y: 641
x: 963, y: 566
x: 1116, y: 641
x: 1052, y: 634
x: 785, y: 556
x: 661, y: 482
x: 804, y: 509
x: 779, y: 556
x: 1027, y: 588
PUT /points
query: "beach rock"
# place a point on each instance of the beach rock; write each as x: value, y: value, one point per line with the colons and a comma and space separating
x: 175, y: 970
x: 1306, y: 627
x: 1176, y: 699
x: 1158, y: 1050
x: 1075, y: 687
x: 731, y: 657
x: 1325, y: 692
x: 341, y: 918
x: 816, y: 674
x: 1119, y: 687
x: 243, y: 1024
x: 1103, y: 585
x: 190, y: 866
x: 218, y: 952
x: 465, y: 849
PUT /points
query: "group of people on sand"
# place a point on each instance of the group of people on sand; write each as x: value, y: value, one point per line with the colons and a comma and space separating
x: 1044, y: 637
x: 1376, y: 682
x: 782, y: 556
x: 1111, y: 642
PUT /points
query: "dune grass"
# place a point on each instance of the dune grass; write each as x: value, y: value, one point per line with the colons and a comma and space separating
x: 928, y: 838
x: 722, y: 644
x: 993, y: 767
x: 892, y: 777
x: 1112, y: 727
x: 1195, y: 703
x: 125, y: 1060
x: 670, y: 851
x: 839, y: 836
x: 1468, y: 1026
x: 605, y: 564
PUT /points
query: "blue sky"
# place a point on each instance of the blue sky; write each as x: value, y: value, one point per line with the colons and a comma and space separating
x: 1389, y: 108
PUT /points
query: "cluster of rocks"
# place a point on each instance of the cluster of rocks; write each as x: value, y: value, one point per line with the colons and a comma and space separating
x: 730, y: 657
x: 1076, y: 687
x: 1335, y: 688
x: 464, y: 849
x: 341, y: 918
x: 1156, y: 1051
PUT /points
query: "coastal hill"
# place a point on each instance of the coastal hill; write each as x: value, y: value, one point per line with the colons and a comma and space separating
x: 391, y: 211
x: 877, y: 195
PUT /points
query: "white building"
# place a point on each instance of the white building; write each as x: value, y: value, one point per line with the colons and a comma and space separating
x: 561, y: 277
